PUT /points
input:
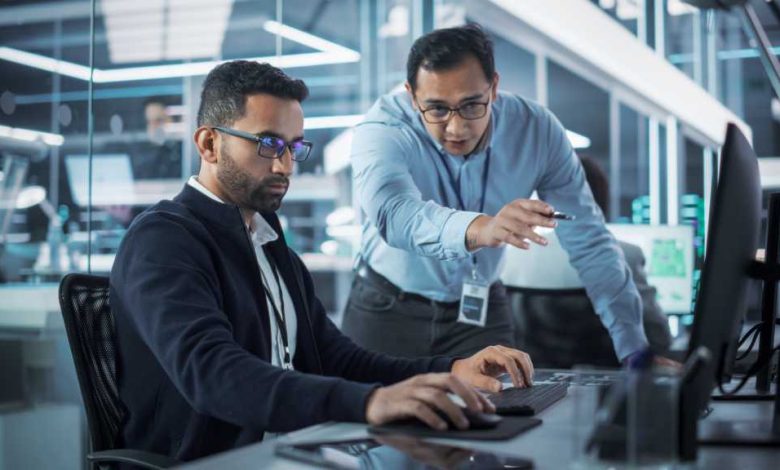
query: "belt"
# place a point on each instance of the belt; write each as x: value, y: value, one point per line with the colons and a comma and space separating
x: 364, y: 271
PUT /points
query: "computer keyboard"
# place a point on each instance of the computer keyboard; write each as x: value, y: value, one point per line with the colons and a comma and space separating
x: 528, y: 401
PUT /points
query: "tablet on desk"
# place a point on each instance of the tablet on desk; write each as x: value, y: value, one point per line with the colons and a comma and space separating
x: 396, y: 451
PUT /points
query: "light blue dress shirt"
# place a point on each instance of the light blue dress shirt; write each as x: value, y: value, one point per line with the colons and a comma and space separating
x: 414, y: 230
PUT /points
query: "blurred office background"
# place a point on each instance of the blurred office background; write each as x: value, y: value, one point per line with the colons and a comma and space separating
x: 643, y: 86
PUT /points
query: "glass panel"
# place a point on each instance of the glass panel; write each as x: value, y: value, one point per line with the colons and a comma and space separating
x: 395, y: 37
x: 692, y: 204
x: 569, y: 94
x: 628, y: 13
x: 516, y: 66
x: 663, y: 182
x: 43, y: 117
x: 634, y: 199
x: 680, y: 34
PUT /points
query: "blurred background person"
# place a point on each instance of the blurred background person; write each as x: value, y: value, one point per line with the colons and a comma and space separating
x: 558, y: 327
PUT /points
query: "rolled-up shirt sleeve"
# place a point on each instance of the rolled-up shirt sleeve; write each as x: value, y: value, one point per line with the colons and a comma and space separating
x: 592, y: 249
x: 391, y: 201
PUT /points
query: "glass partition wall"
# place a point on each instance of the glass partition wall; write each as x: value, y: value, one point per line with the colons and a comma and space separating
x: 97, y: 109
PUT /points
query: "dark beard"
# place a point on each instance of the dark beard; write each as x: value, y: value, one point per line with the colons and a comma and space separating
x: 243, y: 191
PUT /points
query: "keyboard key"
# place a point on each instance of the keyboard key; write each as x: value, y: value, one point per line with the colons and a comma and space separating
x: 528, y: 401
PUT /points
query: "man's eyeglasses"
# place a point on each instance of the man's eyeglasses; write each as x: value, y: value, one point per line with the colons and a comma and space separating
x: 269, y: 146
x: 439, y: 113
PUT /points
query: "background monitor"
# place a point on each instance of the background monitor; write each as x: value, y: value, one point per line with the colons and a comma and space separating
x: 669, y: 261
x: 112, y: 179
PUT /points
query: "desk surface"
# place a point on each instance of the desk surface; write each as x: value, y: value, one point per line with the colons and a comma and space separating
x: 550, y: 446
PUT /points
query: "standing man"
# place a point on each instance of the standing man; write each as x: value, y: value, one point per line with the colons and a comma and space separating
x: 443, y: 173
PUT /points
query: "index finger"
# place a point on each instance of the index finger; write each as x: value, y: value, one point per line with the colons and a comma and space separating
x: 467, y: 393
x: 523, y: 362
x: 450, y: 383
x: 536, y: 205
x: 507, y: 362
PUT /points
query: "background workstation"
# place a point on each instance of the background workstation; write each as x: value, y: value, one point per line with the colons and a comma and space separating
x: 643, y: 86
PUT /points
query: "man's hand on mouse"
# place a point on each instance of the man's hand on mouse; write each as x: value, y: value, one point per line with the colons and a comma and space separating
x: 419, y: 397
x: 481, y: 369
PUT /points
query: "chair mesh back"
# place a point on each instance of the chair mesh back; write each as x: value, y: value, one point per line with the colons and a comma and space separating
x: 91, y: 333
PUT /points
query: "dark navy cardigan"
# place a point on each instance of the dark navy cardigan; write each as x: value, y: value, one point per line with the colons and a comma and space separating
x: 194, y: 361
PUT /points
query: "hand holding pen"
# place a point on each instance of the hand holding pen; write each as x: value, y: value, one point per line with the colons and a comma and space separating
x: 514, y: 225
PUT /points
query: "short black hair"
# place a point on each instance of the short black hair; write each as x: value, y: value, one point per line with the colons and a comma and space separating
x: 598, y: 182
x: 446, y: 48
x: 227, y: 86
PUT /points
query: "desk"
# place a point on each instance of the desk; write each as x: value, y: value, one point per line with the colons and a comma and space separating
x: 550, y: 446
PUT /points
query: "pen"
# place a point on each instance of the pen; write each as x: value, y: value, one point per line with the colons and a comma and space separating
x: 562, y: 216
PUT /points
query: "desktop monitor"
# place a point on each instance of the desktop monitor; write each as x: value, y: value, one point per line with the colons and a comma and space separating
x: 733, y: 237
x: 112, y: 179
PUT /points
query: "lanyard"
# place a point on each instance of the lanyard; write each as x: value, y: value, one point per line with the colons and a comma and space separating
x: 456, y: 187
x: 281, y: 323
x: 456, y: 182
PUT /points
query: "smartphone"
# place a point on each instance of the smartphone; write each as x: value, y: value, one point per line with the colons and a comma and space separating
x: 397, y: 451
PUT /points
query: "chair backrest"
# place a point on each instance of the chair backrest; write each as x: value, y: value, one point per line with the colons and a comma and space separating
x: 91, y: 334
x: 559, y: 328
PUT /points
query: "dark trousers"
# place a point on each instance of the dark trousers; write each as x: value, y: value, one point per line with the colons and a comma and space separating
x: 380, y: 317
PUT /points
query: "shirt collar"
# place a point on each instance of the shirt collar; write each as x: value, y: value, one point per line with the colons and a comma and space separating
x: 193, y: 181
x: 261, y: 231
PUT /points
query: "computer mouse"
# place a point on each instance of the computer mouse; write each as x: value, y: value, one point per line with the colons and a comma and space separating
x: 477, y: 419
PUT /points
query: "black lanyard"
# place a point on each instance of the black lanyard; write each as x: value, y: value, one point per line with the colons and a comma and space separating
x: 456, y: 182
x: 280, y: 316
x: 456, y: 187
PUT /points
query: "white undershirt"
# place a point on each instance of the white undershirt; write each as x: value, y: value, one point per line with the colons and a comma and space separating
x: 262, y: 233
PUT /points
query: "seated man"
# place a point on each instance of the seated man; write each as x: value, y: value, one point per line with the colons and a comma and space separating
x: 220, y: 336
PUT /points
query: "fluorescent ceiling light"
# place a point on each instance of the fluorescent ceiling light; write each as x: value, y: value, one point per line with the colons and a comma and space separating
x: 340, y: 216
x: 678, y: 8
x: 44, y: 63
x: 30, y: 196
x: 306, y: 39
x: 578, y: 141
x: 29, y: 135
x: 627, y: 10
x: 328, y: 53
x: 332, y: 122
x: 157, y: 30
x: 344, y: 231
x: 624, y: 9
x: 336, y: 152
x: 397, y: 23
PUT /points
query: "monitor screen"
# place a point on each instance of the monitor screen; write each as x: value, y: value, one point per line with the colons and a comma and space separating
x: 669, y: 261
x: 112, y: 179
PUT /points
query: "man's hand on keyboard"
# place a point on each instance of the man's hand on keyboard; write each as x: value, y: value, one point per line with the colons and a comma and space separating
x: 481, y: 369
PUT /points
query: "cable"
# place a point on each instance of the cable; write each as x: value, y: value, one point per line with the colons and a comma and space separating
x: 756, y: 334
x: 758, y: 365
x: 753, y: 330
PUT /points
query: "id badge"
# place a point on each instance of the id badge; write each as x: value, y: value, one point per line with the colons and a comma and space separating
x: 474, y: 302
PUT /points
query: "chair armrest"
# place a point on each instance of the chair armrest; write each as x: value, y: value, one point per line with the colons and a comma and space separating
x: 136, y: 457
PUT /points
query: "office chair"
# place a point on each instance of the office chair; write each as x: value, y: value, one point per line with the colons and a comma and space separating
x: 559, y: 328
x: 89, y: 324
